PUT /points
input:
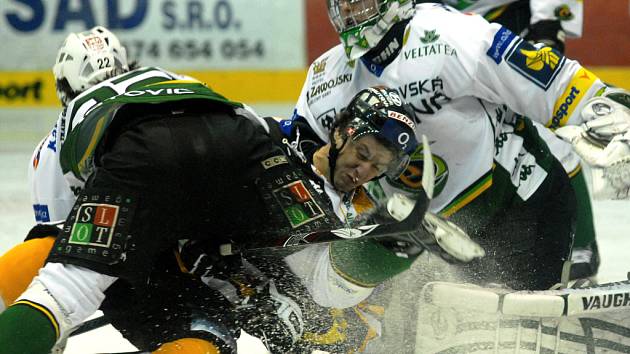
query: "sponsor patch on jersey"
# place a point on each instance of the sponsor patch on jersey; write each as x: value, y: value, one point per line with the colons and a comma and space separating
x: 573, y: 94
x: 297, y: 204
x: 97, y: 229
x: 94, y: 225
x: 41, y: 213
x: 500, y: 44
x: 540, y: 66
x: 274, y: 161
x: 319, y: 67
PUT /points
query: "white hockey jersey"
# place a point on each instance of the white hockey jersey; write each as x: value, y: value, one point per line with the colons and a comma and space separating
x: 465, y: 78
x: 569, y: 12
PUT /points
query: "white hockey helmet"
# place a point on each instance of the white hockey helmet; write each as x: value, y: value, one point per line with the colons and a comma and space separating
x: 85, y: 59
x: 361, y: 24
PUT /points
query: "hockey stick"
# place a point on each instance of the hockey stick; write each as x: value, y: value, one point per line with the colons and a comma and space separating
x: 412, y: 223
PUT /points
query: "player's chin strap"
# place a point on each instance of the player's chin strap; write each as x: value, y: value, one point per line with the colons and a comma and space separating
x: 333, y: 153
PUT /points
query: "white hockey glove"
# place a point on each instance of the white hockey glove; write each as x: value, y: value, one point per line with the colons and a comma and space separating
x: 603, y: 142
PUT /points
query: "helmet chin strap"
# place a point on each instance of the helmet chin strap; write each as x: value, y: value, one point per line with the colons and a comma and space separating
x: 333, y: 153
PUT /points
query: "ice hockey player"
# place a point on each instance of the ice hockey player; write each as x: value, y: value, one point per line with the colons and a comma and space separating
x: 142, y: 160
x: 471, y: 83
x: 83, y: 60
x: 549, y: 22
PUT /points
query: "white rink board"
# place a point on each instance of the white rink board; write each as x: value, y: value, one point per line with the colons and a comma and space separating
x: 21, y: 129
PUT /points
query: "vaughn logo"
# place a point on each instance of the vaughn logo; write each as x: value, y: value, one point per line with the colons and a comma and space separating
x: 606, y: 301
x: 94, y: 225
x: 297, y: 204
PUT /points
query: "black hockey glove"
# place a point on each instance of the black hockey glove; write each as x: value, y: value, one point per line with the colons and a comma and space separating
x: 42, y: 231
x: 548, y: 32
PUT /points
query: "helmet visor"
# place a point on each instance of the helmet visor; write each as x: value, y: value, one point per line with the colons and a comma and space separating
x: 348, y: 14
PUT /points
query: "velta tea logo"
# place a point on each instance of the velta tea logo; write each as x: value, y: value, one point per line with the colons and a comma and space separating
x: 297, y: 204
x: 94, y: 225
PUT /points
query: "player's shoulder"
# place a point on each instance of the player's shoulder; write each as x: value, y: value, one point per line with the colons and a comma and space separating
x: 330, y: 61
x: 431, y: 16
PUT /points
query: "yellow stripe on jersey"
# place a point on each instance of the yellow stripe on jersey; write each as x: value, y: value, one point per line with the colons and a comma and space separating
x: 493, y: 14
x: 573, y: 94
x: 92, y: 145
x: 468, y: 195
x: 575, y: 171
x: 43, y: 310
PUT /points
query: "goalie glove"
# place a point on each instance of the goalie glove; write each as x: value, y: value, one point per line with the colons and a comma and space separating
x: 603, y: 142
x: 438, y: 236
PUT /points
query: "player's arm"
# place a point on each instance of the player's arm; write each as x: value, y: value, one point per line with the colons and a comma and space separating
x: 51, y: 195
x: 542, y: 84
x: 60, y: 298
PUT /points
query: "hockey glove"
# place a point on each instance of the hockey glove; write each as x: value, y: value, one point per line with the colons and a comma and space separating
x: 547, y: 32
x: 603, y: 141
x: 438, y: 236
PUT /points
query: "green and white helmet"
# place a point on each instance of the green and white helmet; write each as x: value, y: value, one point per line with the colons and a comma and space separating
x: 361, y: 24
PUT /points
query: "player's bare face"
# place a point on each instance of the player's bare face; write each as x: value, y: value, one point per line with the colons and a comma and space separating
x: 360, y: 161
x: 354, y: 12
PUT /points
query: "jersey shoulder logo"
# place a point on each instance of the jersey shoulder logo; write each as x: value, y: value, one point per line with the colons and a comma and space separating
x: 540, y: 66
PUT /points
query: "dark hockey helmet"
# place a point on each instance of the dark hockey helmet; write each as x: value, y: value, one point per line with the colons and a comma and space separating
x: 379, y: 111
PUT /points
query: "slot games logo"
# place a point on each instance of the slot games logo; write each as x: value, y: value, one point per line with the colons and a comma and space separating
x: 297, y: 204
x: 94, y: 225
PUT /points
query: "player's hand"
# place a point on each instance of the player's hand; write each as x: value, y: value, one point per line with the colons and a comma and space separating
x: 603, y: 142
